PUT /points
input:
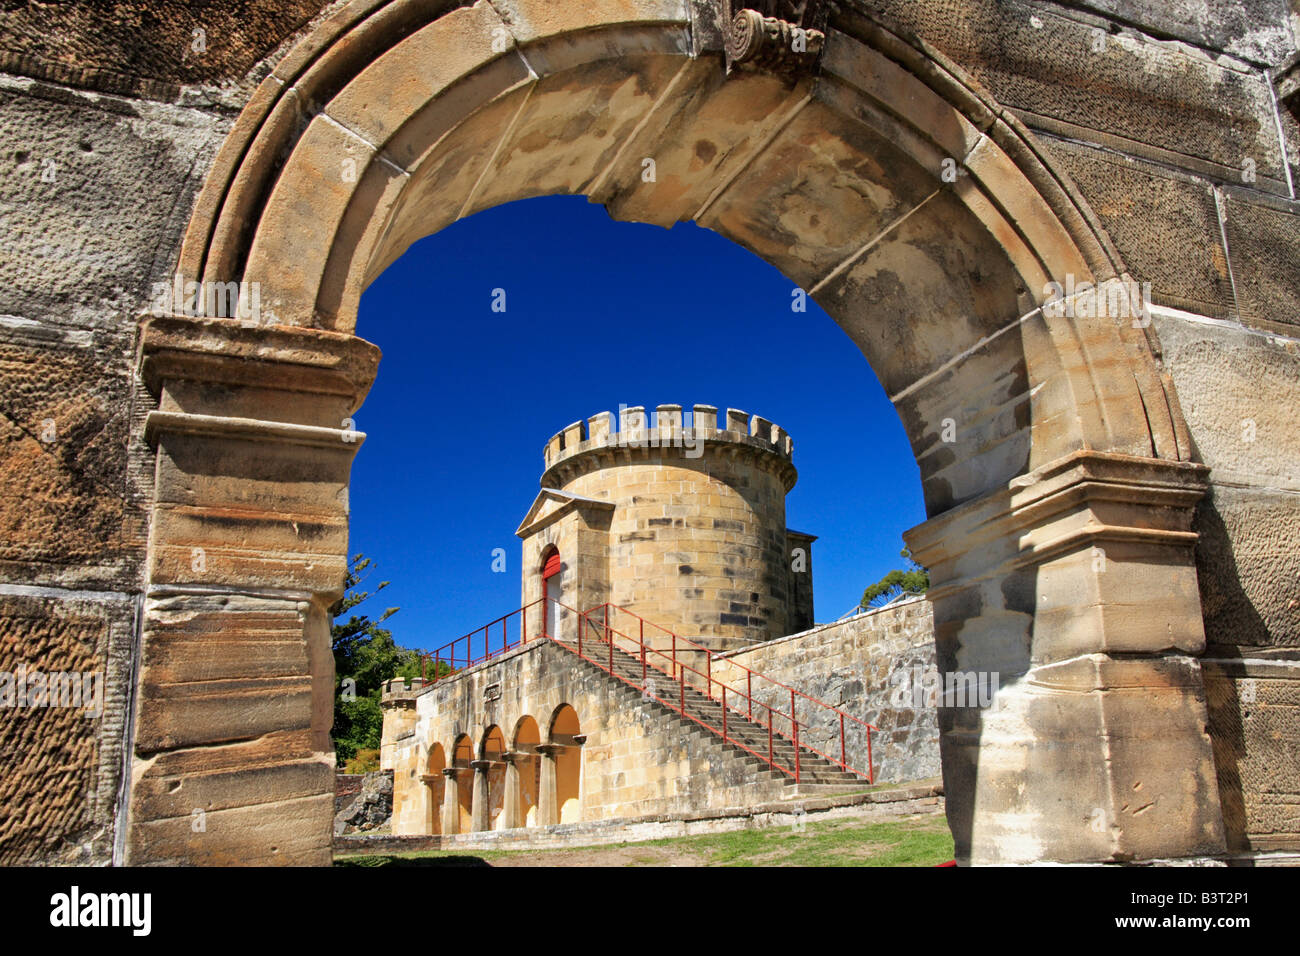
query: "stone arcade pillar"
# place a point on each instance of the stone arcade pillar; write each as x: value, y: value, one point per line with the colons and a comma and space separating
x: 547, y: 805
x: 480, y: 808
x: 1077, y: 587
x: 510, y: 808
x: 451, y: 800
x: 432, y: 806
x: 247, y: 551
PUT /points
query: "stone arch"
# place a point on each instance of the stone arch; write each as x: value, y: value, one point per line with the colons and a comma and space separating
x: 435, y: 788
x: 1045, y: 436
x: 526, y: 763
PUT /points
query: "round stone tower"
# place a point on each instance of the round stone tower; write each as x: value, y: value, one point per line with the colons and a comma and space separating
x: 681, y: 522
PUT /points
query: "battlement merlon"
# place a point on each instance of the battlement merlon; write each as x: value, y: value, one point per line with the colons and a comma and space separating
x: 398, y: 691
x: 667, y: 429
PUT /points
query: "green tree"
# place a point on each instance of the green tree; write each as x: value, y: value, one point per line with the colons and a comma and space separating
x: 365, y: 657
x: 913, y: 579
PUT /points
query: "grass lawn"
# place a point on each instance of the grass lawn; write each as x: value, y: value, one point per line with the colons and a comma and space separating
x: 921, y: 840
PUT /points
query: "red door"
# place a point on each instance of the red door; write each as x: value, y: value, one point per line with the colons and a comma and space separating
x: 551, y: 589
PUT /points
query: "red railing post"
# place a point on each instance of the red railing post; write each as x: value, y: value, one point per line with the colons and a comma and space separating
x: 770, y: 752
x: 523, y: 626
x: 708, y: 673
x: 844, y: 761
x: 675, y: 674
x: 795, y: 725
x: 724, y: 713
x: 580, y: 620
x: 871, y: 771
x: 682, y: 685
x: 423, y: 669
x: 609, y: 633
x: 749, y: 691
x: 505, y: 640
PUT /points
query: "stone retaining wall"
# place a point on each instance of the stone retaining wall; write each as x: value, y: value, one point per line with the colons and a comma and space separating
x: 856, y: 665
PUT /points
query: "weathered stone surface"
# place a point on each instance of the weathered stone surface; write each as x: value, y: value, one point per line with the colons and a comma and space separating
x: 1253, y: 29
x: 70, y: 514
x: 1152, y: 786
x: 1165, y: 226
x: 1042, y: 60
x: 1253, y: 706
x: 371, y: 809
x: 1263, y: 242
x: 61, y: 766
x: 85, y: 249
x: 147, y: 48
x: 1247, y: 562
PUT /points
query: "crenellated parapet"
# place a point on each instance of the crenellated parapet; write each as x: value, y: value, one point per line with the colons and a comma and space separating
x: 399, y: 691
x: 637, y: 434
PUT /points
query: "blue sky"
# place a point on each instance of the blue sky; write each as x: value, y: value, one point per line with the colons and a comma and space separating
x: 598, y: 313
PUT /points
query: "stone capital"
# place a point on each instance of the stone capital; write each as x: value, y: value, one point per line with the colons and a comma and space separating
x: 1076, y: 546
x: 228, y: 351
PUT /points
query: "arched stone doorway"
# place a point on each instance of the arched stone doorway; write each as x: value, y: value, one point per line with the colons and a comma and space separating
x: 1054, y: 460
x: 435, y: 781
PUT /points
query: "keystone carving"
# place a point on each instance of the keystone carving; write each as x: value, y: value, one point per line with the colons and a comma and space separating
x: 767, y: 42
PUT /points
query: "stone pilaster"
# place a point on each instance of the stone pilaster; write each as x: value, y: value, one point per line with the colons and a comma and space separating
x: 510, y: 809
x: 480, y: 808
x: 432, y: 805
x: 548, y: 811
x: 1076, y: 587
x: 247, y: 551
x: 451, y: 800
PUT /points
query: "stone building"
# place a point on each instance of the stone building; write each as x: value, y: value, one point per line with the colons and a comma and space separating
x: 680, y: 521
x: 657, y: 571
x: 1064, y: 234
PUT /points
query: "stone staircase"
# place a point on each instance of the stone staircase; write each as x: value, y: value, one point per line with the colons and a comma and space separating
x: 747, y: 740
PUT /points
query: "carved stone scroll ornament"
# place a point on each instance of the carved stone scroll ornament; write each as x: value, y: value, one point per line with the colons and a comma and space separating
x: 771, y: 44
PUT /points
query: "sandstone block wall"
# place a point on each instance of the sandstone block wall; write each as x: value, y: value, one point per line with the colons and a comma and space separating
x: 857, y: 665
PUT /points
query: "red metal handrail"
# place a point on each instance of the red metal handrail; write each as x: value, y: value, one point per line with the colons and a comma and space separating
x: 668, y: 662
x: 680, y: 670
x: 452, y: 655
